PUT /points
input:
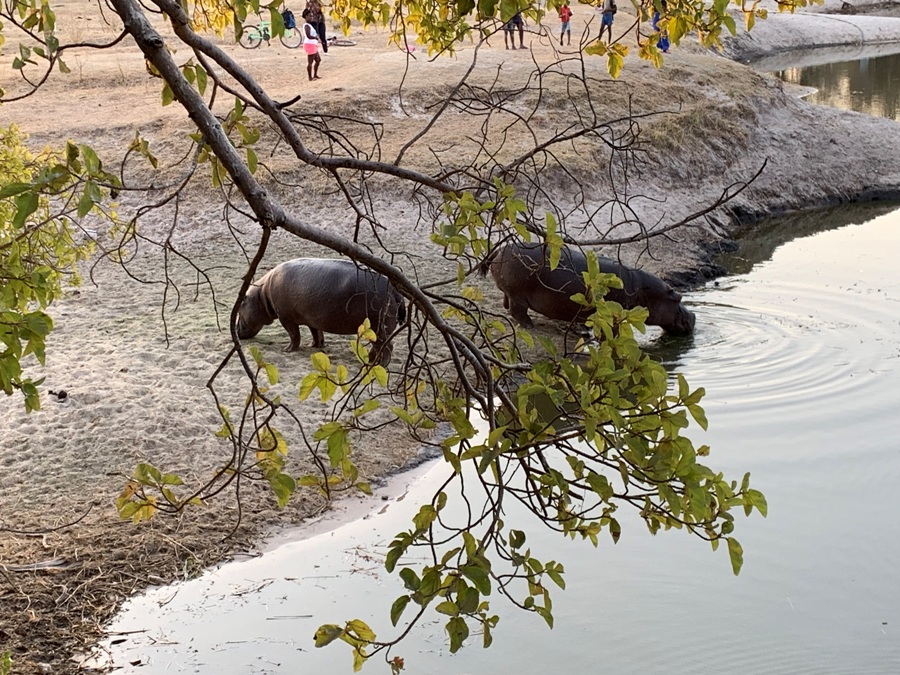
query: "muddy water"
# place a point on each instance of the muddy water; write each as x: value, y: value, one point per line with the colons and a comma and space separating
x: 800, y: 355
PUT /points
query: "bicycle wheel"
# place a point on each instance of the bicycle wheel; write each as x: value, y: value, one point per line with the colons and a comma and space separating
x: 341, y: 42
x: 250, y: 37
x: 292, y: 38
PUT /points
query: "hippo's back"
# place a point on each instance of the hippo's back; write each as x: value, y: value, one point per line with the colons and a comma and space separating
x: 522, y: 272
x: 332, y: 295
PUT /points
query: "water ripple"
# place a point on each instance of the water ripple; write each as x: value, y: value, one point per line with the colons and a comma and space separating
x: 763, y: 347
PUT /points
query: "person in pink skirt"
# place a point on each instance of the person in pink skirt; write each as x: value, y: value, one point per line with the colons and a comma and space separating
x: 311, y: 47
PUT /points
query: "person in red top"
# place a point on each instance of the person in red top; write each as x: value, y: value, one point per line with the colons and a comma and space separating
x: 565, y: 15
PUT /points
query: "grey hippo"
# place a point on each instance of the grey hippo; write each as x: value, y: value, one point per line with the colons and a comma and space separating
x: 333, y: 296
x: 522, y: 272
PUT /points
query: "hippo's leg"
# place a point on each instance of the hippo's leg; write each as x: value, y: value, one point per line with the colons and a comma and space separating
x: 294, y: 331
x: 318, y: 337
x: 519, y: 312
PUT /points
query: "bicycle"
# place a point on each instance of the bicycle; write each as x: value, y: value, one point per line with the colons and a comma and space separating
x: 335, y: 41
x: 253, y: 35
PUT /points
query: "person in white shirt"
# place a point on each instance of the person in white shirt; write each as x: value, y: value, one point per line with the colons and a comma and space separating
x: 311, y: 46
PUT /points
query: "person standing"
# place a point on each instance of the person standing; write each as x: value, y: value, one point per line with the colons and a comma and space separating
x: 317, y: 19
x: 311, y: 46
x: 517, y: 22
x: 663, y: 43
x: 565, y: 15
x: 606, y: 22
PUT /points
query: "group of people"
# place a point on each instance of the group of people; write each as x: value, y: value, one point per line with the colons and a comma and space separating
x: 608, y: 12
x: 314, y: 30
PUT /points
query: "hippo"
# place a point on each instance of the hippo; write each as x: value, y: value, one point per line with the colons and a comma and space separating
x: 522, y: 272
x: 333, y: 296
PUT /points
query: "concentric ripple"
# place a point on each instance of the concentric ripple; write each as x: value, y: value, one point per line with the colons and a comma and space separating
x: 790, y: 345
x: 816, y: 329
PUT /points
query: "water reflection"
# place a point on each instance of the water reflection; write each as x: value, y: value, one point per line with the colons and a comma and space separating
x: 866, y: 85
x: 760, y: 240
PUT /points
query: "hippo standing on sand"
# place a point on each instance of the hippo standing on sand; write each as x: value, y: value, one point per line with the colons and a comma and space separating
x: 333, y: 296
x: 522, y: 272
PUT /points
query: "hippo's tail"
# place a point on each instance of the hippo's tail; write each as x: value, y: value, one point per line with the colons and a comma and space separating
x: 485, y: 264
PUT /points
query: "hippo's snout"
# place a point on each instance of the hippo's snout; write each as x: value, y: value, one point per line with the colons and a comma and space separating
x: 243, y: 332
x: 246, y: 329
x: 684, y: 322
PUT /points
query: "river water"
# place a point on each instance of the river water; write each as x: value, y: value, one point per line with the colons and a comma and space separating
x: 868, y: 84
x: 799, y: 351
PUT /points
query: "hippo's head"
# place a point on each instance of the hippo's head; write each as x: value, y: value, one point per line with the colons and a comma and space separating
x: 253, y: 313
x: 670, y: 314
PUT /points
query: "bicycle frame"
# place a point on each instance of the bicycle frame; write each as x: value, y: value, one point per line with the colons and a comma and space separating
x: 252, y: 35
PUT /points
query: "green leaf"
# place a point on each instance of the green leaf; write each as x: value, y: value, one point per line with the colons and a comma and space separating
x: 600, y: 485
x: 458, y: 631
x: 85, y: 204
x: 699, y: 416
x: 758, y: 499
x: 326, y: 430
x: 167, y: 95
x: 321, y: 362
x: 92, y: 163
x: 359, y: 658
x: 467, y: 600
x: 367, y: 407
x: 398, y: 607
x: 393, y: 556
x: 26, y: 204
x: 328, y: 633
x: 478, y: 576
x: 425, y: 517
x: 545, y: 613
x: 736, y: 552
x: 361, y: 630
x: 12, y: 189
x: 338, y: 446
x: 556, y: 577
x: 729, y: 24
x: 283, y: 487
x: 308, y: 385
x: 271, y: 373
x: 201, y: 79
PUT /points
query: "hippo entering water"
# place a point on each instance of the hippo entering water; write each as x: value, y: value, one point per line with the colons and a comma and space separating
x: 333, y: 296
x: 522, y: 272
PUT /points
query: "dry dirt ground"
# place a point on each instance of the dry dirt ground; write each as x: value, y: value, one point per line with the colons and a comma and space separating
x: 136, y: 382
